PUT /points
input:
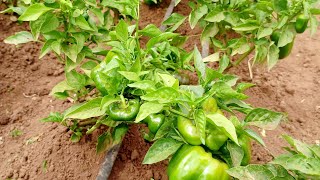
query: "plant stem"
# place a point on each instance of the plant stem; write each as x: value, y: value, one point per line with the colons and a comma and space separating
x: 205, y: 49
x: 137, y: 31
x: 243, y: 56
x: 168, y: 13
x: 87, y: 122
x: 178, y: 113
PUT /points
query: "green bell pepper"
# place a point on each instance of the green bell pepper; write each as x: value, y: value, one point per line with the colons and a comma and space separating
x: 215, y: 138
x: 210, y: 105
x: 188, y: 131
x: 119, y: 111
x: 154, y: 122
x: 97, y: 77
x: 244, y: 142
x: 301, y: 23
x: 285, y: 50
x: 194, y: 163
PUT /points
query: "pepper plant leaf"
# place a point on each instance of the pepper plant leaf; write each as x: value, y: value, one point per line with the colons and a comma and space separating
x: 264, y: 118
x: 257, y: 171
x: 223, y: 123
x: 33, y: 12
x: 161, y: 150
x: 85, y: 110
x: 148, y: 108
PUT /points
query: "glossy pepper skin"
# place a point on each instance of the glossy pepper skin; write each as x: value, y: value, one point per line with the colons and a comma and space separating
x: 301, y: 23
x: 245, y: 144
x: 97, y: 77
x: 285, y: 50
x: 154, y: 122
x: 210, y: 105
x: 194, y: 163
x: 215, y: 138
x: 118, y: 112
x: 188, y: 131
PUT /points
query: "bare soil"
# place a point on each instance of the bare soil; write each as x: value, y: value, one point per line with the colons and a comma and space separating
x: 44, y: 151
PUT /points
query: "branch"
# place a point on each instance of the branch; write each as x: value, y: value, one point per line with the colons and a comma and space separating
x: 205, y: 49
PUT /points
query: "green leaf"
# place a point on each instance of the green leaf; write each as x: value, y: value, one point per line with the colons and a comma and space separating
x: 75, y: 79
x: 76, y: 137
x: 19, y: 38
x: 122, y: 31
x: 247, y: 26
x: 259, y: 172
x: 196, y: 15
x: 175, y: 20
x: 161, y: 150
x: 18, y: 10
x: 210, y: 31
x: 132, y: 76
x: 255, y: 136
x: 199, y: 64
x: 46, y: 23
x: 148, y: 108
x: 162, y: 37
x: 118, y: 133
x: 212, y: 57
x: 146, y: 85
x: 80, y: 39
x: 273, y: 56
x: 150, y: 30
x: 287, y: 36
x: 61, y: 87
x: 224, y: 91
x: 168, y: 80
x: 223, y: 63
x: 241, y: 87
x: 33, y: 12
x: 46, y: 48
x: 86, y: 110
x: 264, y: 32
x: 107, y: 100
x: 236, y: 153
x: 300, y: 163
x: 280, y: 5
x: 83, y: 24
x: 225, y: 124
x: 53, y: 117
x: 261, y: 53
x: 216, y: 15
x: 164, y: 128
x: 103, y: 142
x: 200, y: 120
x: 71, y: 51
x: 162, y: 95
x: 196, y: 90
x: 264, y: 118
x: 299, y: 146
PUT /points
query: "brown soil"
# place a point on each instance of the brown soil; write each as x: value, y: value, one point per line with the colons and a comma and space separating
x: 44, y: 150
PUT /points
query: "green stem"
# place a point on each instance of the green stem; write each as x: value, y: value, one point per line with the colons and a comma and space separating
x: 123, y: 101
x: 137, y: 32
x: 243, y: 56
x: 87, y: 122
x: 178, y: 113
